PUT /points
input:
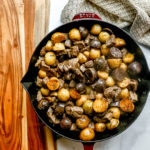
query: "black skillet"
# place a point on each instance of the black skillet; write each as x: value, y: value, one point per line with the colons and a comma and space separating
x: 28, y: 80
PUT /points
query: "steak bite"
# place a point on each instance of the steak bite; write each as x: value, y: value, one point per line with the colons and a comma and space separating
x: 89, y: 64
x: 111, y: 41
x: 52, y: 116
x: 115, y: 53
x: 112, y: 92
x: 79, y: 44
x: 74, y: 111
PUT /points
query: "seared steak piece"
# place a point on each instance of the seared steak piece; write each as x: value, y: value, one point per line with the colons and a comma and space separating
x: 111, y: 41
x: 115, y: 53
x: 74, y: 111
x: 89, y: 64
x: 79, y: 44
x: 112, y: 92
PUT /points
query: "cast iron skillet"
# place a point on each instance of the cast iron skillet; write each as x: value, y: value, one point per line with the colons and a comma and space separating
x: 28, y: 82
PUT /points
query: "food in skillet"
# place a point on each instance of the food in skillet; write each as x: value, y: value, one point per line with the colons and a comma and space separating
x: 86, y: 80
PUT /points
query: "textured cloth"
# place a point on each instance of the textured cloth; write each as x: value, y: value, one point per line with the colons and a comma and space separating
x: 119, y: 12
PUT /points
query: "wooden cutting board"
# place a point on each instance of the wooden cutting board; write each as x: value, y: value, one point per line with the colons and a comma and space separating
x: 22, y: 25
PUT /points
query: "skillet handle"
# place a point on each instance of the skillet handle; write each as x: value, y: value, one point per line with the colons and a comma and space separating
x: 86, y: 16
x: 88, y: 146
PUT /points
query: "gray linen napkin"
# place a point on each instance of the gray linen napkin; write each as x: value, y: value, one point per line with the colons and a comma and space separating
x: 119, y: 12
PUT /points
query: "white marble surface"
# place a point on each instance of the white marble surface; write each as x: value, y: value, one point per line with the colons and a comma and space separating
x: 136, y: 137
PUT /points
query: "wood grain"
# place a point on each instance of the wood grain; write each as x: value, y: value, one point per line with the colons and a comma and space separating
x: 36, y: 26
x: 22, y: 25
x: 34, y: 131
x: 13, y: 121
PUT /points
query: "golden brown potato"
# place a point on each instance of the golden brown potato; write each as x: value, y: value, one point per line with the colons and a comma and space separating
x: 59, y: 47
x: 42, y: 73
x: 99, y: 96
x: 124, y: 83
x: 102, y: 75
x: 104, y: 36
x: 119, y: 42
x: 123, y: 66
x: 44, y: 91
x: 110, y: 81
x: 74, y: 34
x: 87, y: 134
x: 104, y: 50
x: 94, y: 53
x: 88, y: 107
x: 58, y: 37
x: 82, y: 122
x: 100, y: 105
x: 49, y: 45
x: 87, y: 54
x: 53, y: 83
x: 82, y: 58
x: 54, y: 94
x: 115, y: 112
x: 96, y: 29
x: 50, y: 58
x: 128, y: 58
x: 124, y: 93
x: 74, y: 94
x: 112, y: 124
x: 100, y: 127
x: 114, y: 63
x: 63, y: 94
x: 126, y: 105
x: 81, y: 100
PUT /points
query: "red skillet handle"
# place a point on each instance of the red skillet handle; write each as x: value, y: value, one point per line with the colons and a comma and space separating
x: 86, y: 16
x: 88, y: 146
